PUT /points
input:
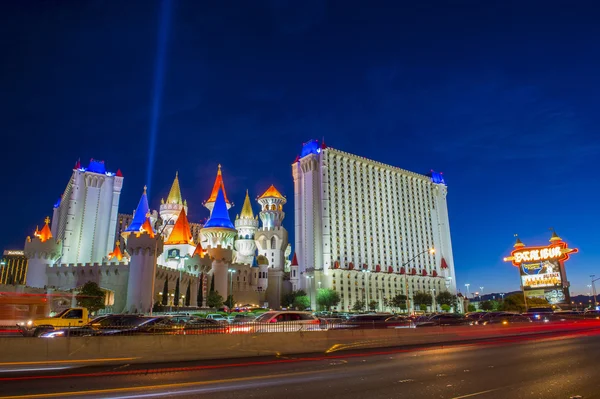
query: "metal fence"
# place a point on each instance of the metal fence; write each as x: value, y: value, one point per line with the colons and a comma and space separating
x: 135, y: 325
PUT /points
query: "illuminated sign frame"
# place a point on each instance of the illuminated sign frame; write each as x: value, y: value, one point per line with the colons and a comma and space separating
x: 558, y: 251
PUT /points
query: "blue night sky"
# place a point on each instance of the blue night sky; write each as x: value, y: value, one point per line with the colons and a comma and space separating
x: 502, y: 97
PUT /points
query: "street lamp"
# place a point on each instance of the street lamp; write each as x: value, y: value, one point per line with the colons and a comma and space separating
x: 309, y: 290
x: 594, y: 289
x: 231, y: 271
x: 431, y: 251
x: 502, y: 295
x: 481, y: 293
x: 155, y: 265
x: 434, y: 307
x: 366, y: 286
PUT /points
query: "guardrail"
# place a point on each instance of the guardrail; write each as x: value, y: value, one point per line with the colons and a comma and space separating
x: 181, y: 347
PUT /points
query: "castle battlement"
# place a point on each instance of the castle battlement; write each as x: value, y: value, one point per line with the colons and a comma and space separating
x: 277, y: 228
x: 95, y: 265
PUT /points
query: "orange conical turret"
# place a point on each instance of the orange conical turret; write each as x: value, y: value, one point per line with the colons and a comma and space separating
x: 213, y: 195
x: 45, y: 234
x: 181, y: 233
x: 147, y: 227
x: 116, y: 253
x: 199, y: 250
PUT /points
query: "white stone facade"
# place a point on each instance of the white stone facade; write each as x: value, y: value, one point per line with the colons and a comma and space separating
x: 85, y: 220
x: 354, y: 214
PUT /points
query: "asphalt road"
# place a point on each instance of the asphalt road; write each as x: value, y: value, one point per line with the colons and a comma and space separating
x: 558, y: 366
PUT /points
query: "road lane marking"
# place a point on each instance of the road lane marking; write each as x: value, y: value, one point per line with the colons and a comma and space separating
x: 160, y: 386
x: 476, y: 394
x: 68, y: 361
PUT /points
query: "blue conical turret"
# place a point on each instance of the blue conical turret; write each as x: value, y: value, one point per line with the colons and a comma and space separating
x: 219, y: 217
x: 139, y: 217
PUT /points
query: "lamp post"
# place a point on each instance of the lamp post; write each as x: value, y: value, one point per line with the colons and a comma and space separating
x: 366, y: 286
x: 594, y: 289
x: 155, y: 265
x: 310, y: 290
x: 431, y: 251
x: 434, y: 307
x: 231, y: 272
x: 481, y: 293
x: 2, y: 264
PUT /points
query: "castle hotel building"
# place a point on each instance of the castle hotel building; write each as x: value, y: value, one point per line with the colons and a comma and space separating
x: 365, y: 229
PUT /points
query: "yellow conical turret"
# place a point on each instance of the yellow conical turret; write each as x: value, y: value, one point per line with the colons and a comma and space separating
x: 247, y: 208
x: 518, y: 243
x: 555, y: 237
x: 175, y: 193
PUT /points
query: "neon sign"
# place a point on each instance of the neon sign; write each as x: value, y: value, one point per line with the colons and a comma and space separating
x: 557, y: 251
x: 537, y: 254
x: 14, y: 252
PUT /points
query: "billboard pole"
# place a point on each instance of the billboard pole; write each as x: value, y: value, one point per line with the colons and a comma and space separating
x: 523, y: 289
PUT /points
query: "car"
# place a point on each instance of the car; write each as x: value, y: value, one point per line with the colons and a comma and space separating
x: 217, y: 317
x: 97, y: 326
x: 376, y: 321
x: 146, y: 325
x: 243, y: 318
x: 539, y: 314
x: 198, y: 325
x: 505, y: 318
x: 592, y: 314
x: 280, y: 321
x: 444, y: 319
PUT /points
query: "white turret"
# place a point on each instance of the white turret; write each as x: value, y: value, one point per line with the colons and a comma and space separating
x: 42, y: 251
x: 263, y: 275
x: 272, y: 241
x: 172, y: 207
x: 218, y: 235
x: 144, y: 246
x: 246, y: 225
x: 294, y: 274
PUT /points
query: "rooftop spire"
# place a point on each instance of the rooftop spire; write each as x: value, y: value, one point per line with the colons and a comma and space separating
x: 147, y: 226
x: 216, y: 187
x: 272, y: 192
x: 555, y: 237
x: 175, y: 193
x: 139, y: 215
x: 181, y: 233
x: 247, y: 208
x: 294, y: 260
x: 116, y: 253
x: 45, y: 234
x: 518, y: 242
x: 199, y: 250
x: 219, y: 217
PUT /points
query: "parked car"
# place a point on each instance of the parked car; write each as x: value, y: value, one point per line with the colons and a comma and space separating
x: 204, y: 326
x: 147, y: 325
x: 376, y: 321
x: 282, y: 321
x: 505, y: 318
x: 218, y: 317
x: 444, y: 319
x: 98, y: 326
x: 539, y: 314
x: 68, y: 318
x: 243, y: 318
x: 592, y: 314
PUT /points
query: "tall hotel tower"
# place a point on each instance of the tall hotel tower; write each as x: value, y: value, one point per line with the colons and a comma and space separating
x: 85, y: 217
x: 365, y: 229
